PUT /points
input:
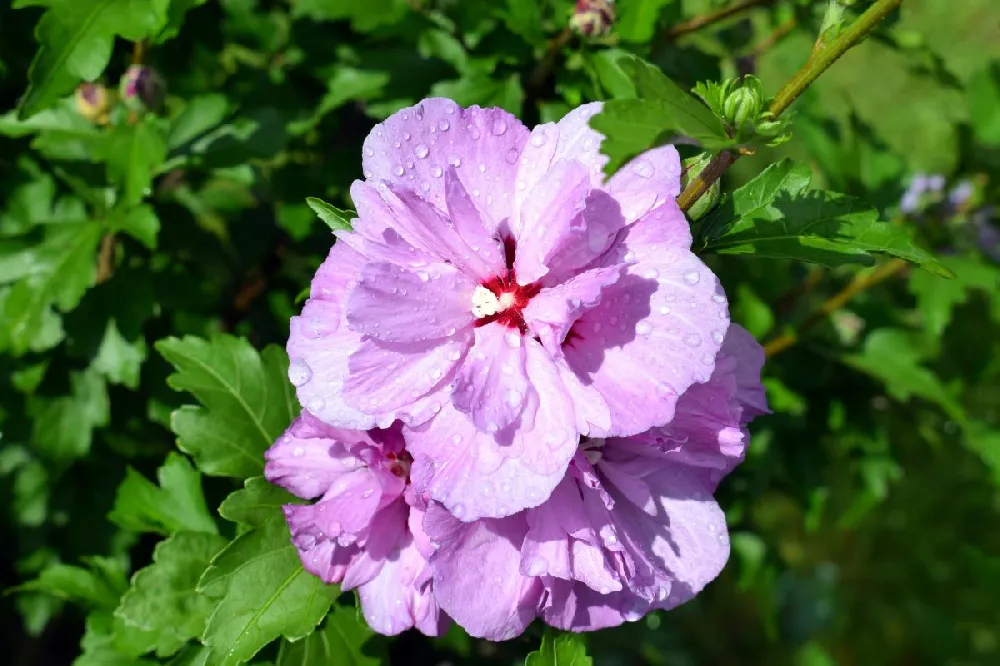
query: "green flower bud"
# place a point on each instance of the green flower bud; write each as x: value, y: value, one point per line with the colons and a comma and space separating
x: 744, y: 104
x: 693, y: 166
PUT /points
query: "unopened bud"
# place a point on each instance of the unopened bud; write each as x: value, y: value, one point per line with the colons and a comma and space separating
x: 142, y: 87
x: 593, y: 18
x: 693, y: 166
x: 93, y: 102
x: 744, y: 104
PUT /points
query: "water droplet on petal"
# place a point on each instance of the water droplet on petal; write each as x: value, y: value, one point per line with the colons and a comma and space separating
x: 719, y: 298
x: 398, y: 170
x: 538, y: 139
x: 299, y: 372
x: 692, y: 339
x: 437, y: 171
x: 651, y: 274
x: 664, y: 310
x: 420, y: 151
x: 718, y: 336
x: 298, y: 452
x: 316, y: 404
x: 643, y: 169
x: 449, y: 332
x: 629, y: 257
x: 473, y: 131
x: 514, y: 398
x: 514, y: 339
x: 499, y: 126
x: 444, y: 125
x: 643, y: 328
x: 692, y: 277
x: 455, y: 161
x: 511, y: 156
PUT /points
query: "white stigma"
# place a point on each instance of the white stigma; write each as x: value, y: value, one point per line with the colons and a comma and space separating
x: 485, y: 302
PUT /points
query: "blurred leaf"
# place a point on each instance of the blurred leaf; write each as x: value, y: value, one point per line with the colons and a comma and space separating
x: 63, y: 427
x: 118, y: 359
x: 176, y: 504
x: 134, y: 154
x: 246, y: 401
x: 889, y: 355
x: 983, y: 96
x: 524, y: 18
x: 637, y: 19
x: 662, y: 112
x: 937, y: 298
x: 141, y: 223
x: 263, y: 593
x: 365, y: 15
x: 98, y: 645
x: 75, y: 40
x: 162, y: 605
x: 344, y: 640
x: 61, y: 269
x: 483, y: 89
x: 333, y: 217
x: 97, y: 586
x: 559, y: 649
x: 775, y: 215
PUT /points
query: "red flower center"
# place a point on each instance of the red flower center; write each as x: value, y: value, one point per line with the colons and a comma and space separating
x: 511, y: 296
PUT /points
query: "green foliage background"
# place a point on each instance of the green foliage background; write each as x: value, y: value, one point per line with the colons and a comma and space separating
x: 147, y: 263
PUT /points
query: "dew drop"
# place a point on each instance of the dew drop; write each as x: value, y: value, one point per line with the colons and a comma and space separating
x: 511, y: 156
x: 718, y: 336
x: 455, y: 161
x: 492, y: 428
x: 651, y: 274
x: 629, y: 257
x: 298, y: 452
x: 487, y: 489
x: 664, y: 310
x: 538, y: 139
x: 643, y: 328
x: 437, y: 171
x: 643, y: 169
x: 450, y: 331
x: 299, y: 372
x: 514, y: 398
x: 499, y: 126
x: 514, y: 339
x: 719, y: 298
x: 692, y: 277
x: 444, y: 125
x: 420, y: 150
x: 692, y: 339
x: 398, y: 170
x: 473, y: 131
x: 316, y: 404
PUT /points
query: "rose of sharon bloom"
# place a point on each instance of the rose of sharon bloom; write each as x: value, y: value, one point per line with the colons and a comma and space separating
x: 632, y: 528
x: 501, y: 298
x: 363, y: 532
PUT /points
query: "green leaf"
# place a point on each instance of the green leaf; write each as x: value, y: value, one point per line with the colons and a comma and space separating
x: 524, y: 18
x: 75, y: 40
x: 163, y: 605
x: 263, y: 593
x: 775, y: 215
x: 662, y: 112
x: 63, y: 427
x: 255, y: 503
x: 335, y: 218
x: 365, y: 15
x: 937, y: 298
x: 199, y: 115
x: 344, y: 640
x: 246, y: 401
x: 176, y: 504
x: 484, y: 89
x: 134, y: 154
x: 63, y: 268
x: 637, y: 19
x: 560, y: 649
x: 890, y: 355
x: 983, y: 95
x: 98, y: 645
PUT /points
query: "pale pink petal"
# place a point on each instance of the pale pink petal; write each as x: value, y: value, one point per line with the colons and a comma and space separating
x: 475, y: 474
x: 655, y: 332
x: 392, y: 304
x: 320, y: 342
x: 400, y: 596
x: 647, y: 181
x: 593, y: 416
x: 413, y: 147
x: 374, y: 231
x: 551, y: 313
x: 349, y: 505
x: 561, y: 542
x: 307, y: 460
x: 564, y: 225
x: 476, y: 574
x: 385, y: 378
x: 492, y: 384
x: 387, y: 529
x: 487, y: 257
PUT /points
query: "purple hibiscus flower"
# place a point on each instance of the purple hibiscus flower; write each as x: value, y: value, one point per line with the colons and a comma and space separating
x: 632, y: 527
x: 365, y: 531
x: 502, y: 298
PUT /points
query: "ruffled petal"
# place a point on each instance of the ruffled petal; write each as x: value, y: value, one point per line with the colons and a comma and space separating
x: 741, y: 346
x: 311, y: 457
x: 414, y: 146
x: 320, y: 342
x: 392, y: 304
x: 492, y: 384
x: 476, y: 578
x: 487, y: 257
x: 386, y: 378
